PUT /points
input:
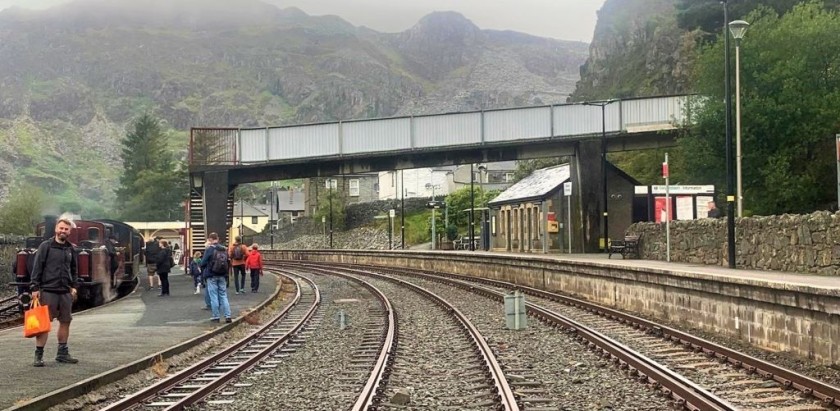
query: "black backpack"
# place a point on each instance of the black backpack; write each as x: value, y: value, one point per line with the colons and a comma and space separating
x: 221, y: 262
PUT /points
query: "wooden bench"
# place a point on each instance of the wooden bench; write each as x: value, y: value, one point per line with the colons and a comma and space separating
x: 629, y: 246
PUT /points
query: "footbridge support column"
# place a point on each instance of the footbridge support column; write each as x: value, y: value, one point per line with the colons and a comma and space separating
x: 588, y: 173
x: 216, y: 190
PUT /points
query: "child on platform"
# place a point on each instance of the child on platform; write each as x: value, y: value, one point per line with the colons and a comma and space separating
x: 195, y: 271
x: 255, y: 264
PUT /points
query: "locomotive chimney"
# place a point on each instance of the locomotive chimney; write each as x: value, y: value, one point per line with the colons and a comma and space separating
x: 49, y: 225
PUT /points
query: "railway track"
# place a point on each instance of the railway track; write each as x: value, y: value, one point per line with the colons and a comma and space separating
x: 10, y: 315
x: 430, y: 351
x: 683, y: 391
x: 745, y: 382
x: 259, y: 349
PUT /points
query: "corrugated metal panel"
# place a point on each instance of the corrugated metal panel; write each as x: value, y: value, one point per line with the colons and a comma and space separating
x: 213, y: 146
x: 650, y: 111
x: 376, y: 135
x: 252, y: 146
x: 578, y: 119
x: 447, y: 130
x: 517, y: 124
x: 317, y: 140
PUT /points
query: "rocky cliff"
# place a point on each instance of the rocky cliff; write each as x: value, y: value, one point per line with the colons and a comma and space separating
x: 72, y: 77
x: 637, y: 50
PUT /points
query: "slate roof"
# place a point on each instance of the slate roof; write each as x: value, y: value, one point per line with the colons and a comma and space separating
x: 536, y: 186
x: 249, y: 210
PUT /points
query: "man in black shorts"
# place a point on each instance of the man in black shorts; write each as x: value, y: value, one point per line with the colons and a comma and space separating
x: 54, y: 283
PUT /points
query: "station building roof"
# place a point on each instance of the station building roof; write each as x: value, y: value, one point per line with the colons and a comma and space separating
x: 536, y: 186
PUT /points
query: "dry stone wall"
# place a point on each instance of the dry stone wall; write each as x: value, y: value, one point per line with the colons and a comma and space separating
x: 807, y: 243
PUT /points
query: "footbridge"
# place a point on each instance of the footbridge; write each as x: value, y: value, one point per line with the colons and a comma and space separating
x: 222, y: 158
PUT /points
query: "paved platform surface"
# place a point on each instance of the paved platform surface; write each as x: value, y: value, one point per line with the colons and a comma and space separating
x: 737, y: 275
x: 119, y: 333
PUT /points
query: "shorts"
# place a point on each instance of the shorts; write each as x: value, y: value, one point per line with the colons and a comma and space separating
x: 61, y: 305
x: 151, y: 268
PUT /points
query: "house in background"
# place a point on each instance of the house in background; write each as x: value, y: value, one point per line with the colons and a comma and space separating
x: 247, y: 219
x: 353, y: 188
x: 416, y: 182
x: 290, y: 206
x: 488, y: 176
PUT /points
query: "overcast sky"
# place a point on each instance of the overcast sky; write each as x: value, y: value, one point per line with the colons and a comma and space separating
x: 560, y: 19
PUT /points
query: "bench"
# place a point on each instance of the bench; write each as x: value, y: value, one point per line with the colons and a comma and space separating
x: 629, y: 246
x: 464, y: 243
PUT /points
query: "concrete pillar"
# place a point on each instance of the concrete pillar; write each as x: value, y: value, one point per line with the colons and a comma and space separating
x: 216, y: 190
x: 587, y: 171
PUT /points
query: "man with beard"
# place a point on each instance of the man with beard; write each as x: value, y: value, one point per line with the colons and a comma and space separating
x: 54, y: 284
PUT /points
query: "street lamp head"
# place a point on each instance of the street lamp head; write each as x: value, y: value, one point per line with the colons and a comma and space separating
x: 738, y: 28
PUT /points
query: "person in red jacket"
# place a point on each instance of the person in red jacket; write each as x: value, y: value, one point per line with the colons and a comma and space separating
x: 255, y: 264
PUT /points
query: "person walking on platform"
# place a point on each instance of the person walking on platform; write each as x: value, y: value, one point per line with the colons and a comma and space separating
x: 54, y: 283
x: 164, y: 266
x: 216, y: 264
x: 238, y: 255
x: 195, y: 271
x: 255, y: 264
x: 151, y: 254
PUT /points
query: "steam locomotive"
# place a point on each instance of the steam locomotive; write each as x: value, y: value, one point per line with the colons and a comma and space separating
x: 103, y: 277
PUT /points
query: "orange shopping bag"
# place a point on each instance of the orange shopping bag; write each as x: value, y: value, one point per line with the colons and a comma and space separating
x: 36, y: 320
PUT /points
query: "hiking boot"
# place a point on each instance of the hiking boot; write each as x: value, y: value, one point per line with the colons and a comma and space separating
x: 39, y: 360
x: 63, y: 356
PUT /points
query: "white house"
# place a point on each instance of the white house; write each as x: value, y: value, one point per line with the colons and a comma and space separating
x: 418, y: 182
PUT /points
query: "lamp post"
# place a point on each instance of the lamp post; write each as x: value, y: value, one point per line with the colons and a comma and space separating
x: 730, y: 180
x: 434, y: 232
x: 603, y: 105
x: 738, y: 28
x: 472, y: 209
x: 402, y: 210
x: 482, y: 170
x: 330, y: 184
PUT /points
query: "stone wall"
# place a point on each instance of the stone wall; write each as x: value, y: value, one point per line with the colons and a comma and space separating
x: 797, y: 243
x: 357, y: 215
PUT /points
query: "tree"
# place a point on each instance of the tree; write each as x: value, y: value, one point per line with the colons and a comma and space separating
x: 790, y: 86
x: 338, y: 206
x: 459, y: 204
x: 21, y: 213
x: 152, y: 186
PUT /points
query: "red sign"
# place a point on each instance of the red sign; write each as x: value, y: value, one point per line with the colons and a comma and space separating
x: 664, y: 170
x: 661, y: 208
x: 551, y: 216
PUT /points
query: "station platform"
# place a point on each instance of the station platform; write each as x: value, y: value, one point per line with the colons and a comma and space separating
x: 122, y: 332
x: 725, y: 274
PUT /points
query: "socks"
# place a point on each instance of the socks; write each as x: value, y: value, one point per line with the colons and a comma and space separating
x: 62, y: 347
x: 39, y: 350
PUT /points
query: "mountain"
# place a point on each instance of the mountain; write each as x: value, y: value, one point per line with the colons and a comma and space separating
x: 72, y: 77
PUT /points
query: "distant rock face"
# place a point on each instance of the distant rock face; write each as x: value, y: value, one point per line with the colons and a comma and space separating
x: 78, y: 74
x: 637, y: 50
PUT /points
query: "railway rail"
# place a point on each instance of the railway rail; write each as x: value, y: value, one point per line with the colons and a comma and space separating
x: 750, y: 389
x: 683, y: 391
x: 10, y: 315
x: 502, y: 395
x: 196, y: 382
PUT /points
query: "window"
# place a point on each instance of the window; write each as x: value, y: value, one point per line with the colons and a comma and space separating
x: 354, y: 188
x: 508, y: 177
x: 93, y: 234
x: 375, y: 187
x: 255, y: 220
x: 331, y: 182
